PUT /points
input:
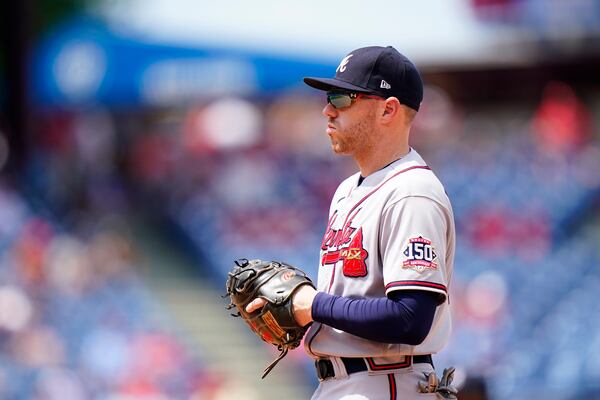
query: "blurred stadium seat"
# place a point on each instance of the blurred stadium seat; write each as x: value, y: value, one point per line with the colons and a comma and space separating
x: 76, y: 322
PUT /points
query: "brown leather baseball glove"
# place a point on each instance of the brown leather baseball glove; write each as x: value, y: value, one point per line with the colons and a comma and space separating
x: 275, y: 282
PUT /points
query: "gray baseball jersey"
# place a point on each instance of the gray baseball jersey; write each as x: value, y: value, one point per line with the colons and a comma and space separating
x: 395, y: 231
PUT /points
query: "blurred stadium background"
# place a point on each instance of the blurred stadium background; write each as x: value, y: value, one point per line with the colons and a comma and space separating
x: 144, y: 145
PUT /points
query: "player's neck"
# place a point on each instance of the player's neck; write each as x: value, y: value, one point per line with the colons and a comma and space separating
x: 376, y: 160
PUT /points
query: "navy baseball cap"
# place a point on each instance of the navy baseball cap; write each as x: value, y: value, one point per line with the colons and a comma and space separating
x: 381, y: 71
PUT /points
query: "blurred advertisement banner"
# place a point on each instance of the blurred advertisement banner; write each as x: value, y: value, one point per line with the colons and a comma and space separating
x: 85, y: 63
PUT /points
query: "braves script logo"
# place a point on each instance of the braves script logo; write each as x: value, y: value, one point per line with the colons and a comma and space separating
x: 343, y: 63
x: 353, y: 254
x: 338, y: 237
x: 419, y: 255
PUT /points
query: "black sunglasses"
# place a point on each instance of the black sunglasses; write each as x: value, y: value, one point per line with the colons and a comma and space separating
x: 344, y: 99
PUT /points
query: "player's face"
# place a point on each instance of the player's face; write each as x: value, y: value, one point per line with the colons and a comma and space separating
x: 352, y: 129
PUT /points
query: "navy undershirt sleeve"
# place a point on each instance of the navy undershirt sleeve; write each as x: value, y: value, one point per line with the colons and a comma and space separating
x: 405, y: 317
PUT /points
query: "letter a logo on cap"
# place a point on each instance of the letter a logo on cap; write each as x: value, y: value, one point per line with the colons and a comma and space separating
x: 342, y: 66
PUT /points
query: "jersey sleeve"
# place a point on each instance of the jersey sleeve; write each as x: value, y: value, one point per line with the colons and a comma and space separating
x: 413, y: 246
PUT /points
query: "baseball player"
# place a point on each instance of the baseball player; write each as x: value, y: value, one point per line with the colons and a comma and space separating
x: 382, y: 307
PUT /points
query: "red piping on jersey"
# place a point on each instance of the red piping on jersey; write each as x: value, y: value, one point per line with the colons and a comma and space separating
x: 392, y: 382
x: 432, y: 285
x: 332, y: 278
x: 383, y: 183
x: 383, y: 367
x: 368, y: 195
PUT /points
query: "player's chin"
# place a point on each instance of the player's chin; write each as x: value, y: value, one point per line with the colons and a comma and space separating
x: 339, y: 149
x: 336, y: 146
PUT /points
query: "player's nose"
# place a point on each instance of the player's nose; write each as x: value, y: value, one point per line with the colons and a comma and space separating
x: 329, y: 111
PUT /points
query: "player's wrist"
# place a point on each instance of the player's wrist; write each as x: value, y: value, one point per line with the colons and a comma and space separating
x: 302, y: 304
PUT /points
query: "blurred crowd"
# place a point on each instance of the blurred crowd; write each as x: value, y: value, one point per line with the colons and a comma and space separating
x: 253, y: 178
x: 76, y: 322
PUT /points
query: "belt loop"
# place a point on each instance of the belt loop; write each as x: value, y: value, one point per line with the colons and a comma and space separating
x: 339, y: 368
x: 324, y: 369
x: 330, y: 368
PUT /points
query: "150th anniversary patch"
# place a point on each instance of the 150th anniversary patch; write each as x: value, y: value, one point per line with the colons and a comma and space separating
x: 420, y: 255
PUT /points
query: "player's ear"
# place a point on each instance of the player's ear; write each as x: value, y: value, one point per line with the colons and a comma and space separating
x: 390, y: 110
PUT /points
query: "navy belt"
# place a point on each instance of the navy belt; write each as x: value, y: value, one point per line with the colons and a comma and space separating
x: 353, y: 365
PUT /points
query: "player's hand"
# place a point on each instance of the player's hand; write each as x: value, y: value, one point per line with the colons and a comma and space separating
x: 301, y: 304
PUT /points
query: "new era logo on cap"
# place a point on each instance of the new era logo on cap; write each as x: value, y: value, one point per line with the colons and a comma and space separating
x: 381, y: 71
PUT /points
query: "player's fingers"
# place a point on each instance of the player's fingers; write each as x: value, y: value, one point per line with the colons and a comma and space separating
x: 255, y: 305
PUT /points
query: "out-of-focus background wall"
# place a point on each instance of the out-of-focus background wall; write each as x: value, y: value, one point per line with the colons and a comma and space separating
x: 145, y: 145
